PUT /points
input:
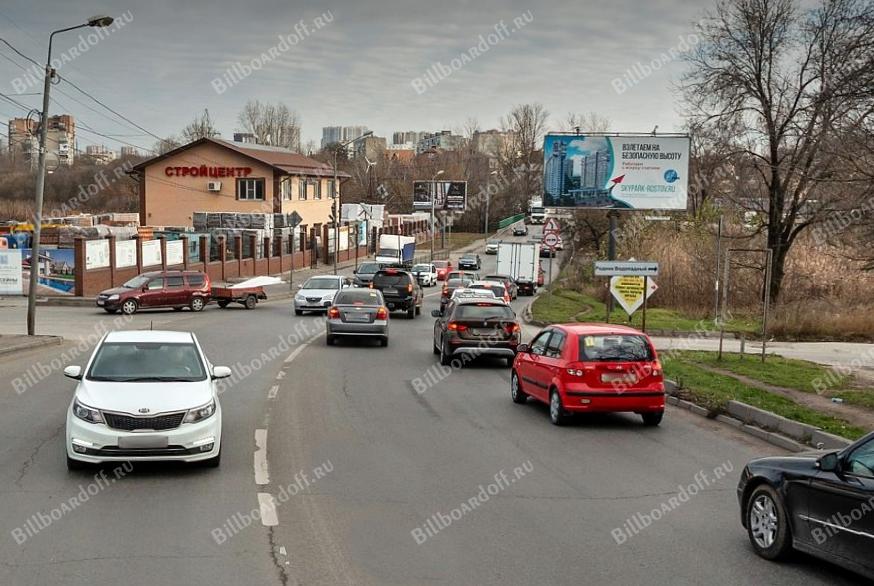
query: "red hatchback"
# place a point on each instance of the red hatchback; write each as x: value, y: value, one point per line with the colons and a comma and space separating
x: 443, y: 267
x: 582, y: 368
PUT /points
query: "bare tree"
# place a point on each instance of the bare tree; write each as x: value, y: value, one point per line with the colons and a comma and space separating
x: 522, y: 156
x: 200, y: 127
x: 589, y: 122
x: 789, y: 83
x: 272, y: 124
x: 167, y: 144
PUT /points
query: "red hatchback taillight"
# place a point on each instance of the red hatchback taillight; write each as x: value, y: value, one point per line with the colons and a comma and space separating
x: 382, y: 313
x: 333, y: 313
x: 513, y: 328
x: 456, y: 327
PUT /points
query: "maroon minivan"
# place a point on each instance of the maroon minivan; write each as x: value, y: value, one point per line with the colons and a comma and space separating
x: 176, y: 289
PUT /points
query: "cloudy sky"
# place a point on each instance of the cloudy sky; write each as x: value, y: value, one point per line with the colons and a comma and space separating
x: 366, y: 65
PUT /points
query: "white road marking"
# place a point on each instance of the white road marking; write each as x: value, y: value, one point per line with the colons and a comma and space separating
x: 280, y: 375
x: 268, y: 509
x: 262, y: 473
x: 271, y: 394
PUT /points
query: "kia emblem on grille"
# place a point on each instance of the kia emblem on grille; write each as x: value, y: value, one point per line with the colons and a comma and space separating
x: 144, y: 410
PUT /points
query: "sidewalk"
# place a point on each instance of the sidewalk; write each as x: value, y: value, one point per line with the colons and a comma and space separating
x: 19, y: 343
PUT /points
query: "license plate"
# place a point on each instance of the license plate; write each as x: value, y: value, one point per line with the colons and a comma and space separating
x: 145, y: 441
x: 389, y: 291
x: 609, y: 377
x: 101, y: 302
x: 483, y: 332
x: 362, y: 317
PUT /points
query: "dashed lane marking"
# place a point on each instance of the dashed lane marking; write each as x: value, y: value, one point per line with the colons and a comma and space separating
x: 262, y: 473
x: 268, y: 509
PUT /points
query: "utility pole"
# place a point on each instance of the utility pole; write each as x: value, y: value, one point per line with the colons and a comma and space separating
x: 97, y: 22
x: 336, y: 196
x: 433, y: 204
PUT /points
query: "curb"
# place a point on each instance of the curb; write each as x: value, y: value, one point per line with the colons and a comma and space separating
x: 770, y: 427
x: 30, y: 343
x: 66, y: 301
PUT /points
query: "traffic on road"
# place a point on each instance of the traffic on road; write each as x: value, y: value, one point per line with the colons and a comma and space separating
x: 345, y: 456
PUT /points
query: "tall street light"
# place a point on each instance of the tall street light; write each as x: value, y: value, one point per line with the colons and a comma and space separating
x: 433, y: 201
x: 96, y: 21
x: 488, y: 197
x: 336, y: 195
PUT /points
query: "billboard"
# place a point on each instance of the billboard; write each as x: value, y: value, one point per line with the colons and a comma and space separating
x: 11, y: 274
x: 622, y: 172
x: 447, y: 195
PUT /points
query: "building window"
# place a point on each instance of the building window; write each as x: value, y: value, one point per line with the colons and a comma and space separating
x: 285, y: 188
x: 301, y: 188
x: 317, y: 184
x: 250, y: 189
x: 332, y: 188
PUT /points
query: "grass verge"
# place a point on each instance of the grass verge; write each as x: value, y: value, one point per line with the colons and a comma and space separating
x: 714, y: 391
x: 565, y: 305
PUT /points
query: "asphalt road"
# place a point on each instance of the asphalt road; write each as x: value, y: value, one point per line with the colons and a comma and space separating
x: 355, y: 456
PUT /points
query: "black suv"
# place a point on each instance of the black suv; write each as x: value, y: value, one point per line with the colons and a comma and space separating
x: 476, y: 327
x: 400, y: 289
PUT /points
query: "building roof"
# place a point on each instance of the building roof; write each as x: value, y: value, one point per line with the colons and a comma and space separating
x: 283, y: 160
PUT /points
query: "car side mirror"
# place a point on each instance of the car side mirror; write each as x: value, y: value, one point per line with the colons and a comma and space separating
x: 436, y: 313
x: 300, y: 286
x: 523, y: 348
x: 74, y: 372
x: 220, y: 372
x: 829, y: 463
x: 145, y: 288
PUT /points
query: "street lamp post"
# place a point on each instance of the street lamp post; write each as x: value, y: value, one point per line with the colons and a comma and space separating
x: 433, y: 201
x: 488, y: 199
x: 97, y: 21
x: 336, y: 195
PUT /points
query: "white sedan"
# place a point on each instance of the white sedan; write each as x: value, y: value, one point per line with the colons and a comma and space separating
x: 317, y: 293
x: 145, y: 395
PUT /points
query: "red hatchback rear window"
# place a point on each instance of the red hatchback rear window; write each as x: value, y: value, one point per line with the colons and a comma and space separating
x: 614, y: 348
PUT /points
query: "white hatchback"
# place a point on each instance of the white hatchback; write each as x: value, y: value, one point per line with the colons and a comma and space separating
x: 145, y: 395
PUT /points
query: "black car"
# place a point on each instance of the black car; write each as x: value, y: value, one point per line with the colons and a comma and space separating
x: 520, y: 230
x: 400, y: 289
x: 546, y: 252
x: 508, y: 282
x: 526, y: 286
x: 476, y: 327
x: 364, y: 273
x: 469, y: 261
x: 819, y: 503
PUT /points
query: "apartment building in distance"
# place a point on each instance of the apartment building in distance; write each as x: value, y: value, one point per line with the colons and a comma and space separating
x: 60, y: 141
x: 442, y: 140
x: 335, y: 134
x: 100, y: 154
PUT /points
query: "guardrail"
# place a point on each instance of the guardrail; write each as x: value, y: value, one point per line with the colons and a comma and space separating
x: 510, y: 221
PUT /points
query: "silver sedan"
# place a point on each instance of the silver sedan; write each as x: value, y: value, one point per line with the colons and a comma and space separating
x: 357, y: 312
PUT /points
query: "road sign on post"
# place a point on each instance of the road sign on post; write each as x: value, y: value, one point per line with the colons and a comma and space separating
x: 628, y: 291
x: 551, y: 226
x: 617, y: 268
x: 550, y: 240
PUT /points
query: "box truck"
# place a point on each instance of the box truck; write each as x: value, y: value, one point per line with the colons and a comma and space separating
x: 520, y: 260
x: 395, y: 249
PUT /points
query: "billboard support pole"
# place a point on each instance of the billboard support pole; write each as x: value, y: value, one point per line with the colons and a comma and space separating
x: 645, y: 291
x: 612, y: 216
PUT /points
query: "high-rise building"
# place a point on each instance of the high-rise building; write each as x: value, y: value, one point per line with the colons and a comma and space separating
x: 372, y: 147
x: 489, y: 142
x: 407, y: 137
x: 335, y: 134
x: 129, y: 151
x: 100, y: 154
x: 60, y: 140
x: 594, y: 169
x: 442, y: 140
x: 556, y: 172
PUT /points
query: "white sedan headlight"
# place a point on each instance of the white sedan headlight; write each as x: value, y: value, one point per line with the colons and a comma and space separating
x: 200, y: 413
x: 86, y: 413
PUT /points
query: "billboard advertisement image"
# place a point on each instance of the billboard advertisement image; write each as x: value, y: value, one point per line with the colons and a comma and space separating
x: 622, y: 172
x: 447, y: 195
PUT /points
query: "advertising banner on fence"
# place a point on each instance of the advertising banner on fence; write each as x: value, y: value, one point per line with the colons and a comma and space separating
x: 622, y: 172
x: 96, y: 254
x: 447, y: 195
x: 125, y: 253
x: 151, y: 253
x: 11, y: 274
x: 175, y: 252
